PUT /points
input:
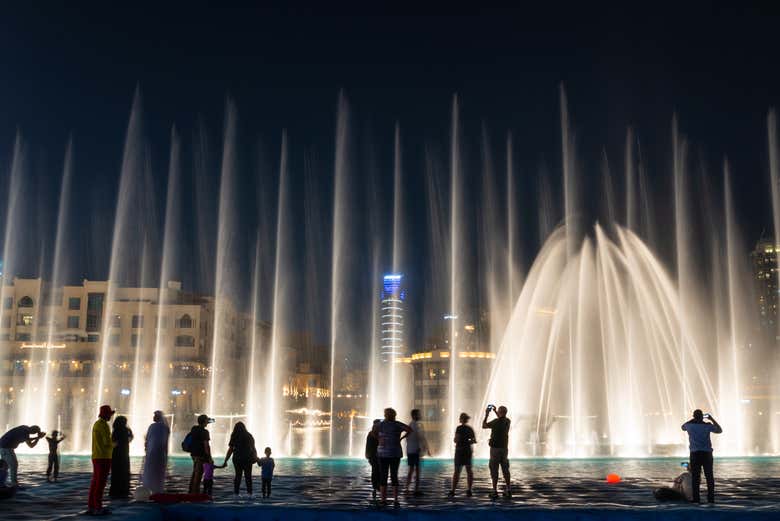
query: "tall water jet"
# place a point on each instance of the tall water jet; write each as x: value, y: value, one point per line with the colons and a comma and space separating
x: 170, y: 255
x: 774, y: 178
x: 57, y: 280
x: 338, y: 335
x: 682, y: 229
x: 222, y: 384
x: 455, y: 273
x: 570, y: 205
x: 123, y: 260
x: 732, y: 394
x: 279, y: 303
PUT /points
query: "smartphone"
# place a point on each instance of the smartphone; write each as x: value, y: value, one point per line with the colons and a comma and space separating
x: 707, y: 415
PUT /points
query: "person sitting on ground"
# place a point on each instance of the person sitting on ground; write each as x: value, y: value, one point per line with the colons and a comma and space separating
x: 416, y: 443
x: 701, y: 452
x: 11, y: 440
x: 499, y: 447
x: 372, y: 444
x: 391, y: 432
x: 54, y: 455
x: 266, y: 471
x: 681, y: 489
x: 464, y: 439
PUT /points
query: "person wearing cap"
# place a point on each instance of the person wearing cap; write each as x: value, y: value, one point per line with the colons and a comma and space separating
x: 156, y: 448
x: 464, y: 439
x: 200, y: 452
x: 102, y: 449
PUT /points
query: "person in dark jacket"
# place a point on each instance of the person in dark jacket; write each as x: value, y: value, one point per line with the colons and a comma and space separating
x: 120, y: 458
x: 242, y: 449
x: 372, y: 445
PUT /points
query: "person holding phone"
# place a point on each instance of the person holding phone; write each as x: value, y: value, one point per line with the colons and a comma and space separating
x: 701, y: 452
x: 499, y: 447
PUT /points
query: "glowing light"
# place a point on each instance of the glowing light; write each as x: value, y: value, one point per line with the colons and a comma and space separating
x: 41, y: 345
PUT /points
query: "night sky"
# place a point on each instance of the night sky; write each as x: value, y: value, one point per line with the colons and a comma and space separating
x: 73, y: 73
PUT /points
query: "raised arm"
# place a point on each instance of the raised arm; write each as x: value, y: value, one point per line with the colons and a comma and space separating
x: 484, y: 421
x: 717, y: 429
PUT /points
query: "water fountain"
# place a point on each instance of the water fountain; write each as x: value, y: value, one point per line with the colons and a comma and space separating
x: 602, y: 348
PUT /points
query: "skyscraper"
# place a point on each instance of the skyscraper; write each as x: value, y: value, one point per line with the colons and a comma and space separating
x: 765, y: 274
x: 392, y: 317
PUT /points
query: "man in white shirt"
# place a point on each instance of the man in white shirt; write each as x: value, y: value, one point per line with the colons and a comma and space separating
x: 701, y: 452
x: 415, y: 444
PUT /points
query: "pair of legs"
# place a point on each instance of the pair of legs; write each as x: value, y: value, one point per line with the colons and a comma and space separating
x: 9, y: 456
x: 100, y: 471
x: 53, y: 467
x: 266, y: 486
x: 389, y: 466
x: 197, y: 474
x: 499, y: 457
x: 414, y: 469
x: 208, y: 486
x: 702, y: 460
x: 462, y: 459
x: 376, y: 473
x: 243, y: 468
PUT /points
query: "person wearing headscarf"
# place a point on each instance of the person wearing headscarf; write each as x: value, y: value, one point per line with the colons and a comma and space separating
x: 120, y: 458
x: 156, y: 448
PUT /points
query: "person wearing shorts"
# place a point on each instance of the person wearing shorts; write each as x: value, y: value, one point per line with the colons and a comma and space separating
x: 499, y: 447
x: 416, y: 443
x: 464, y: 439
x: 391, y: 432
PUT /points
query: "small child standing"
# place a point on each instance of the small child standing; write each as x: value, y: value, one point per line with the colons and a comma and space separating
x: 267, y: 471
x: 54, y: 455
x: 208, y: 477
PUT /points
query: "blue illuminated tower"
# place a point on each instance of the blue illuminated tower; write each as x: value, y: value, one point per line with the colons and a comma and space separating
x: 392, y: 317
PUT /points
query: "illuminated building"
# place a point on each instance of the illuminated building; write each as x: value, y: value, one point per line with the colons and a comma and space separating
x: 392, y: 318
x: 431, y: 373
x: 765, y: 275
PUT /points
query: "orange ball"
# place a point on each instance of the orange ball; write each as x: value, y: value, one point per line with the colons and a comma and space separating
x: 613, y: 478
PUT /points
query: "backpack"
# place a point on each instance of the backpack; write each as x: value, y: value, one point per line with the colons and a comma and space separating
x: 186, y: 444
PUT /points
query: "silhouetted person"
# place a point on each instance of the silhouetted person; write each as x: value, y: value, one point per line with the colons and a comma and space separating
x: 54, y: 455
x: 156, y: 449
x: 416, y: 444
x: 701, y: 452
x: 372, y: 446
x: 499, y: 447
x: 242, y: 448
x: 200, y: 451
x: 11, y: 440
x: 464, y: 439
x: 120, y: 458
x: 266, y: 472
x: 390, y: 452
x: 101, y: 461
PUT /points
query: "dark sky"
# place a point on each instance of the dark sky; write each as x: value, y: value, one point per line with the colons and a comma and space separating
x: 73, y: 72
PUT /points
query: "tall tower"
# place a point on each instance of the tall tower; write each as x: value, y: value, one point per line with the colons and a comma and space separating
x: 392, y: 318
